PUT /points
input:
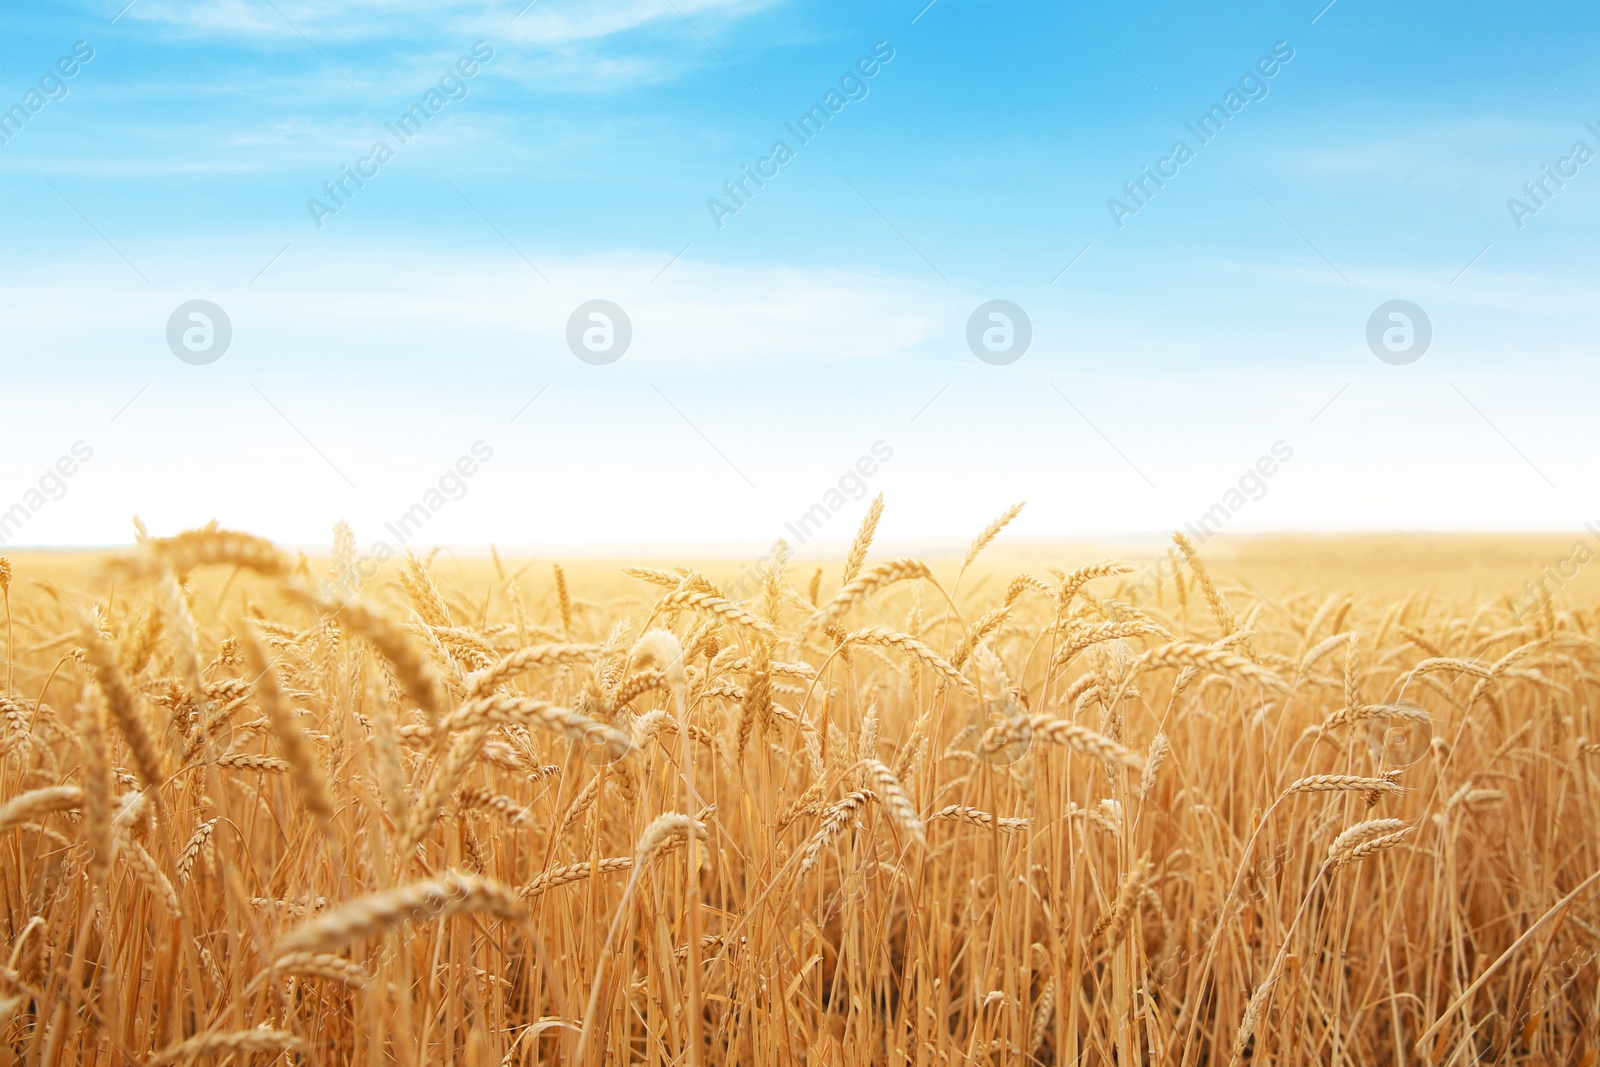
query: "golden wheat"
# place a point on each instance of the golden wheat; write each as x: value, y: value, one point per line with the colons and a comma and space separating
x: 263, y: 808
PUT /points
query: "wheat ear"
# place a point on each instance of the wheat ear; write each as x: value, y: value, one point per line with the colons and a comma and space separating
x: 375, y: 913
x: 1221, y: 611
x: 892, y: 794
x: 990, y: 532
x: 979, y: 817
x: 297, y: 750
x: 858, y: 548
x: 1087, y: 741
x: 29, y: 806
x: 888, y: 638
x: 124, y: 710
x: 1325, y: 783
x: 533, y: 657
x: 96, y: 786
x: 844, y: 812
x: 894, y: 570
x: 232, y: 1043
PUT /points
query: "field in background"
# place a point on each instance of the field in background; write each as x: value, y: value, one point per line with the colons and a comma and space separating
x: 1291, y: 800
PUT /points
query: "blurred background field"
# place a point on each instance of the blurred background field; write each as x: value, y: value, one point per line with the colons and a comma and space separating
x: 1479, y: 567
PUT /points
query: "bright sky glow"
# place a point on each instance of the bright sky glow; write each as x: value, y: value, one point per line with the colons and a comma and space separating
x: 1190, y: 310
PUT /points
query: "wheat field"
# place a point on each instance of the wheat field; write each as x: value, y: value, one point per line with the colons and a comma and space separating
x: 256, y: 808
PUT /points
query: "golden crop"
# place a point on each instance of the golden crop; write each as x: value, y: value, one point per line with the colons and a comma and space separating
x: 890, y: 813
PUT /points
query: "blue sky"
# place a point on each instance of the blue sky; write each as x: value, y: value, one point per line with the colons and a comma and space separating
x: 829, y: 313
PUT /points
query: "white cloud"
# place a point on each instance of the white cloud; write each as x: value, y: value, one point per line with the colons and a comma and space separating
x: 544, y: 22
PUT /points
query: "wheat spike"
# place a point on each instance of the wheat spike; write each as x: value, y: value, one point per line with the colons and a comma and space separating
x: 425, y: 902
x: 263, y: 1039
x: 1324, y: 783
x: 124, y: 710
x: 1362, y: 831
x: 874, y: 578
x: 531, y: 658
x: 563, y: 600
x: 132, y: 854
x: 298, y: 752
x: 986, y: 624
x: 1088, y: 636
x: 1152, y: 763
x: 25, y: 807
x: 1087, y: 741
x: 574, y: 872
x: 844, y: 812
x: 883, y: 635
x: 501, y: 710
x: 666, y: 831
x: 192, y: 848
x: 1121, y: 915
x: 894, y: 798
x: 979, y: 817
x: 254, y: 761
x: 1044, y: 1012
x: 96, y: 786
x: 419, y: 677
x: 1371, y: 847
x: 1209, y: 658
x: 322, y: 965
x: 425, y: 598
x: 479, y: 798
x: 720, y: 606
x: 1072, y: 584
x: 1221, y: 610
x: 990, y: 532
x: 858, y: 548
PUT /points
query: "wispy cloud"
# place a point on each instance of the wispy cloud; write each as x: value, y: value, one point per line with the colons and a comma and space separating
x: 544, y: 22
